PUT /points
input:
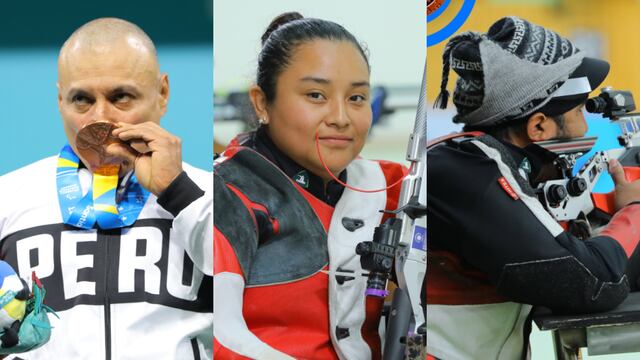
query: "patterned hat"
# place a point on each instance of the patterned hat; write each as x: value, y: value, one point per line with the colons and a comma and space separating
x: 514, y: 70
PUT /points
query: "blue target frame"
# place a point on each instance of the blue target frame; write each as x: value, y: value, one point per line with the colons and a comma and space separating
x: 455, y: 24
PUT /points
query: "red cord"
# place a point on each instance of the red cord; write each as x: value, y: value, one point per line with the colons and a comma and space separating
x: 351, y: 187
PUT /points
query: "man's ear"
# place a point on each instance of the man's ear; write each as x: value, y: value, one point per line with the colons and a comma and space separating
x: 59, y: 96
x: 259, y: 101
x: 164, y: 92
x: 541, y: 127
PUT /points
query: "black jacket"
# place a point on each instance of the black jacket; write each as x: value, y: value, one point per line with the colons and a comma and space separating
x: 482, y: 210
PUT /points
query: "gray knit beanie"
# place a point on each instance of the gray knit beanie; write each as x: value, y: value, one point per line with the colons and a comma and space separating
x: 514, y: 70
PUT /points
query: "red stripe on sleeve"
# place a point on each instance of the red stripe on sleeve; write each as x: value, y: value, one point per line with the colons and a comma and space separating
x: 624, y: 227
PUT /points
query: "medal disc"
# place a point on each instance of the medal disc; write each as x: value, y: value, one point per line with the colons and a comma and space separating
x: 92, y: 141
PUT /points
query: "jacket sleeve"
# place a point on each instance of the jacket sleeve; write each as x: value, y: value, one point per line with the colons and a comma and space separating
x: 192, y: 207
x: 235, y: 243
x: 485, y: 216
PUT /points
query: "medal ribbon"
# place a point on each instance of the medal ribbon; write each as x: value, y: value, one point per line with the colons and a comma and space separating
x: 99, y: 204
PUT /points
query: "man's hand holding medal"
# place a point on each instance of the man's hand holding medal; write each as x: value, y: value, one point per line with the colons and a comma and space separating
x: 153, y: 153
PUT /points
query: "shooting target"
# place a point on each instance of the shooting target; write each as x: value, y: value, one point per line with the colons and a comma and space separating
x: 433, y: 5
x: 435, y: 8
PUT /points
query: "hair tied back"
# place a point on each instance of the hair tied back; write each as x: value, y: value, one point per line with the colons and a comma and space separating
x: 280, y: 20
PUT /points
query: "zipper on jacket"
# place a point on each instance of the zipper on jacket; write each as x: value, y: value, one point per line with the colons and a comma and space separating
x: 109, y: 235
x: 195, y: 348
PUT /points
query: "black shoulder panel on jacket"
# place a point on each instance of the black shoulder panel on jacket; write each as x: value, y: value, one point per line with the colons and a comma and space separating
x: 300, y: 230
x: 234, y: 221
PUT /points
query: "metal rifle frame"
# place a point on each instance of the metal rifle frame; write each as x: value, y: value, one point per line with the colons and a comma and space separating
x: 402, y: 241
x: 579, y: 205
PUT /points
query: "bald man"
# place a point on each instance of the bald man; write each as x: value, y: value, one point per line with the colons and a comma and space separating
x: 116, y: 226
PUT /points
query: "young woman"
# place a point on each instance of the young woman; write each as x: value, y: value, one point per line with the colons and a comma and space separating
x: 288, y: 283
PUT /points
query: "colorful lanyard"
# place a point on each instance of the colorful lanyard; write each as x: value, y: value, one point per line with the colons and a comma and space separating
x: 99, y: 204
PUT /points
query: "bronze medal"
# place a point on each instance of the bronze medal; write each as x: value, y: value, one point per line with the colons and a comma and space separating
x: 92, y: 141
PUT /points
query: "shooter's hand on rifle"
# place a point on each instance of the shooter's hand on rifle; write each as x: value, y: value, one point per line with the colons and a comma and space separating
x: 625, y: 191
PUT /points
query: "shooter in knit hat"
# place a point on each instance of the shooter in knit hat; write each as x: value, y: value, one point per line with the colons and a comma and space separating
x: 494, y: 251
